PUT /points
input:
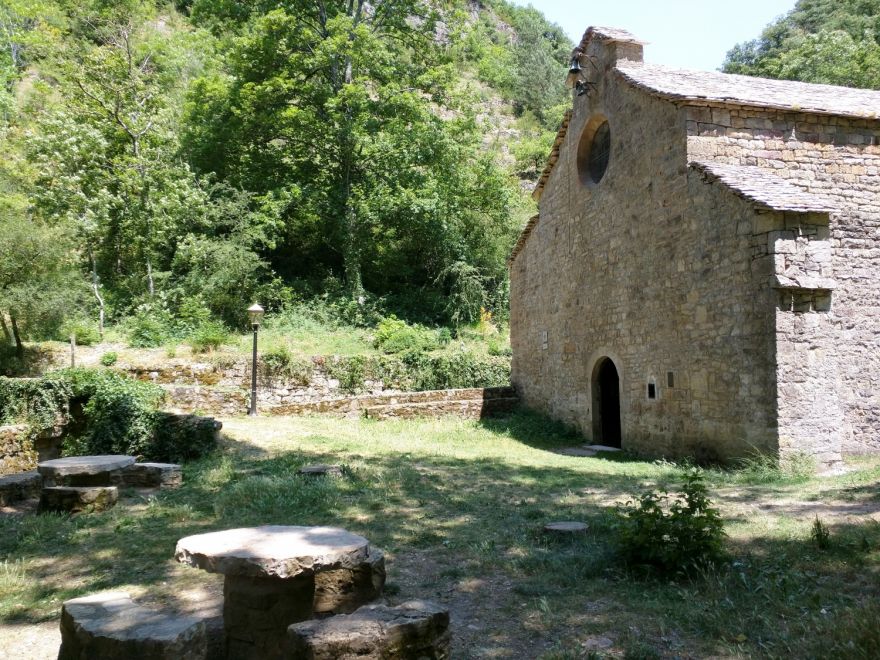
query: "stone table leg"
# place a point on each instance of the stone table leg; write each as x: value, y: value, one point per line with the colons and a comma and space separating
x: 257, y: 612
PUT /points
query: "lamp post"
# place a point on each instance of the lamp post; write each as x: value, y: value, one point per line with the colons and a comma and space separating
x: 255, y: 313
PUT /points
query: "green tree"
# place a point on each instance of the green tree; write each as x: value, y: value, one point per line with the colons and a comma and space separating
x: 822, y: 41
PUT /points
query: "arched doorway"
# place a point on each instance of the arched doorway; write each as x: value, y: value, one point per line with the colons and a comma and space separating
x: 606, y: 403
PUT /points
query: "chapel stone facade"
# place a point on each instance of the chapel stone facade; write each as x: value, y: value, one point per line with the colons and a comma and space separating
x: 703, y: 277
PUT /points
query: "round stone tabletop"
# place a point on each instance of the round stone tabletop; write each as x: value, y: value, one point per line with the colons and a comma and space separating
x: 83, y: 465
x: 273, y: 551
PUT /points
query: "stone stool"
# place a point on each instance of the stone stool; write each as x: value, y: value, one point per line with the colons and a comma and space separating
x: 74, y: 499
x: 110, y: 626
x: 270, y: 579
x: 20, y: 486
x: 416, y: 629
x: 153, y: 475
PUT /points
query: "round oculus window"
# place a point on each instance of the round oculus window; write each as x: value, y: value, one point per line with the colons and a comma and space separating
x: 600, y: 152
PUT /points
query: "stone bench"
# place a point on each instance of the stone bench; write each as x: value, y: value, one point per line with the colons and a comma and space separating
x: 21, y: 486
x: 110, y: 626
x: 74, y: 499
x: 153, y: 475
x: 416, y: 629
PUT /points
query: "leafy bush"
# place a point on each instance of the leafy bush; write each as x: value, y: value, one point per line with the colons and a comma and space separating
x: 352, y: 372
x: 671, y: 538
x: 279, y: 362
x: 106, y: 413
x: 441, y: 371
x: 38, y: 402
x: 396, y: 336
x: 209, y: 336
x: 109, y: 359
x: 85, y: 332
x: 147, y: 331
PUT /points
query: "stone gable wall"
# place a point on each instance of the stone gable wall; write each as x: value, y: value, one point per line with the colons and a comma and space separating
x: 837, y: 159
x: 632, y: 270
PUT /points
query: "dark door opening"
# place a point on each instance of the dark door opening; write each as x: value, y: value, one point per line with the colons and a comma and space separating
x: 606, y: 399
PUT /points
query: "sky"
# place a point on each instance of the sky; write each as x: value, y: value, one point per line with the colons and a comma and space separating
x: 688, y: 34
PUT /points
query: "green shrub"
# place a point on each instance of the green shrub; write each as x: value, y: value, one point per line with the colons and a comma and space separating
x: 85, y: 332
x: 441, y: 371
x: 497, y: 346
x: 279, y: 362
x: 209, y: 336
x: 106, y: 413
x: 351, y: 372
x: 38, y: 402
x: 820, y: 535
x: 396, y: 336
x: 178, y: 438
x: 109, y: 359
x: 147, y: 331
x: 671, y: 538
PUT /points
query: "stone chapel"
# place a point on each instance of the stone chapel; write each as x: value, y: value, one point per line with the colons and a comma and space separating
x: 703, y: 276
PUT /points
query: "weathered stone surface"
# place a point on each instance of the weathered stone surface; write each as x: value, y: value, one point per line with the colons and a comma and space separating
x: 153, y: 475
x: 415, y: 630
x: 598, y: 448
x: 21, y: 486
x: 576, y: 451
x: 17, y: 452
x: 85, y: 470
x: 273, y: 551
x: 257, y: 612
x: 110, y: 626
x: 345, y: 589
x: 321, y: 470
x: 565, y: 527
x: 73, y: 499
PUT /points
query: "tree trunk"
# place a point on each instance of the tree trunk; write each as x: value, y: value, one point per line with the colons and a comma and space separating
x: 6, y: 333
x: 96, y: 290
x: 351, y: 249
x: 19, y: 346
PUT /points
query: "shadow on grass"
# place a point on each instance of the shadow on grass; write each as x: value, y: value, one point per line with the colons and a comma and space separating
x: 449, y: 522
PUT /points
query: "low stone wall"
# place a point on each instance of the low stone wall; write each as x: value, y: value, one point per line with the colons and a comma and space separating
x: 472, y: 403
x: 17, y: 450
x: 235, y: 377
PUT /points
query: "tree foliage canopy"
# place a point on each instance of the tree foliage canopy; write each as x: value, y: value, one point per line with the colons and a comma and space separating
x: 821, y: 41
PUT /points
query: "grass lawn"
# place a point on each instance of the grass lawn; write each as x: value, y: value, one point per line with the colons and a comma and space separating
x: 458, y: 507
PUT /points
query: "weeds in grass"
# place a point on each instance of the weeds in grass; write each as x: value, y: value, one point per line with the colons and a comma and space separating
x: 820, y: 535
x: 763, y: 468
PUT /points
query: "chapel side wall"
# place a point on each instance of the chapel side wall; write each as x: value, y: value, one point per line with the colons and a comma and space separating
x: 837, y: 159
x: 630, y: 269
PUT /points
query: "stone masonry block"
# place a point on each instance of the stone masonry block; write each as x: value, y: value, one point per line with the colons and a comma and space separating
x: 110, y: 626
x: 413, y: 630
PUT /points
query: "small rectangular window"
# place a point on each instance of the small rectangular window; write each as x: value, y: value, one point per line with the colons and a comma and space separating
x: 652, y: 391
x: 670, y: 379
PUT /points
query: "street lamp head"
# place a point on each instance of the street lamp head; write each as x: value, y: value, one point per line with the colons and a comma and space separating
x: 255, y: 313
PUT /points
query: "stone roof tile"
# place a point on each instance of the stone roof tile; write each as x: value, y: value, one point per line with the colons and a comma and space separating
x: 763, y: 188
x: 712, y: 86
x: 553, y: 157
x: 521, y: 241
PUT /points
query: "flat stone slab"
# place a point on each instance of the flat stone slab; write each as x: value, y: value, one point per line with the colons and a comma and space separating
x: 153, y: 475
x: 576, y: 451
x: 416, y: 629
x: 74, y: 466
x: 110, y: 626
x: 273, y: 551
x: 603, y: 448
x: 73, y: 499
x: 321, y: 470
x: 565, y: 527
x: 20, y: 486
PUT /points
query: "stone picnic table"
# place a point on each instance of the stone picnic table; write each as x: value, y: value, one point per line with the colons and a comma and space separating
x: 77, y: 482
x: 277, y: 575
